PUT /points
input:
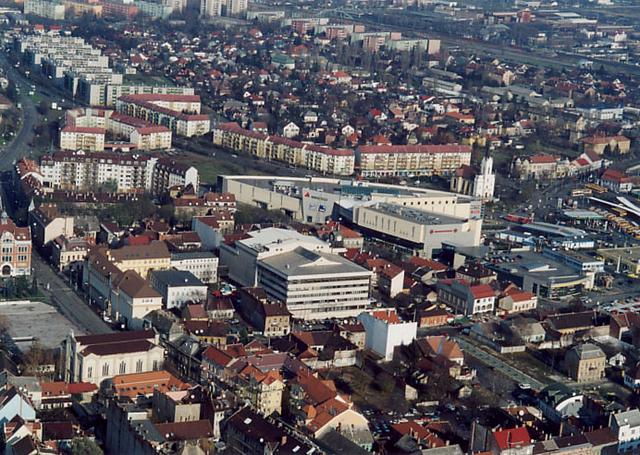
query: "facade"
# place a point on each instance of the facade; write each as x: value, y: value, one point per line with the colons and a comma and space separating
x: 321, y: 159
x: 179, y: 113
x: 480, y: 184
x: 626, y: 426
x: 586, y: 363
x: 16, y: 248
x: 385, y: 331
x: 265, y: 391
x: 270, y: 318
x: 202, y: 264
x: 132, y: 299
x: 47, y: 224
x: 466, y: 299
x: 66, y: 253
x: 94, y: 358
x: 82, y: 138
x: 541, y: 167
x: 44, y: 8
x: 408, y: 160
x: 141, y: 258
x: 517, y: 301
x: 315, y: 285
x: 618, y: 145
x: 242, y: 257
x: 178, y: 287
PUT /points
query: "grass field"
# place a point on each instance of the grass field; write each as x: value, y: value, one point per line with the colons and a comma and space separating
x: 211, y: 167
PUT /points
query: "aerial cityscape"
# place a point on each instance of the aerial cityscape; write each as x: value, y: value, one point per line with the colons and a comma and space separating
x: 320, y: 227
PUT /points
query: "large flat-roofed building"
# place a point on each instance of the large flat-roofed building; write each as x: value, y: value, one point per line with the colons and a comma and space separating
x: 243, y: 255
x: 414, y: 228
x: 624, y: 259
x: 543, y: 276
x: 313, y: 199
x: 315, y: 285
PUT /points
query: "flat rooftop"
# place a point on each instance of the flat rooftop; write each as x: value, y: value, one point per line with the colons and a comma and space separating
x: 301, y: 261
x: 413, y: 215
x: 534, y: 264
x: 555, y: 230
x: 294, y: 186
x: 38, y: 320
x: 625, y: 254
x: 577, y: 214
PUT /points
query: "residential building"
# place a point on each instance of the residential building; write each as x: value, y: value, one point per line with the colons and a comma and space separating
x: 49, y: 9
x: 132, y: 299
x: 82, y: 138
x: 269, y: 317
x: 178, y: 287
x: 616, y: 181
x: 180, y: 113
x: 141, y: 258
x: 68, y: 252
x: 540, y: 167
x: 13, y: 403
x: 94, y: 358
x: 16, y: 248
x: 385, y: 331
x: 202, y: 264
x: 177, y: 405
x: 315, y: 157
x: 516, y: 301
x: 466, y: 299
x: 626, y: 426
x: 266, y: 391
x: 131, y: 385
x: 47, y: 223
x: 618, y: 145
x: 586, y: 363
x: 512, y: 441
x: 314, y: 284
x: 410, y: 160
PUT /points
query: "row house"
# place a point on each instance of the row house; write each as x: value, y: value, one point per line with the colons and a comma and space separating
x: 321, y: 159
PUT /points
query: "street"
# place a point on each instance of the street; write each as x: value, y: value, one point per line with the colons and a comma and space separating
x: 499, y: 365
x: 20, y: 143
x: 65, y: 300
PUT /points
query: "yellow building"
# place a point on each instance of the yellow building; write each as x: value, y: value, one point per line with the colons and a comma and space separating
x: 266, y: 392
x: 141, y: 258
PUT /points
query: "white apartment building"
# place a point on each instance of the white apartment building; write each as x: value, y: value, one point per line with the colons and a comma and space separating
x: 202, y: 264
x: 180, y: 113
x: 315, y: 285
x: 132, y: 299
x: 178, y: 287
x: 82, y: 138
x: 411, y: 160
x: 321, y: 159
x: 81, y: 171
x: 626, y: 426
x: 95, y: 358
x: 44, y: 8
x: 384, y: 331
x: 242, y: 257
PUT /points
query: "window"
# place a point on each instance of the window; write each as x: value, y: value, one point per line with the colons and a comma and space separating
x: 89, y: 372
x: 155, y: 365
x: 105, y: 369
x: 123, y: 367
x: 139, y: 366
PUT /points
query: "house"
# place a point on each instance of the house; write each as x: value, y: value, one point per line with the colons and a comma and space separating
x: 177, y: 287
x: 132, y: 299
x: 47, y: 223
x: 132, y: 385
x: 267, y: 316
x: 586, y: 363
x: 13, y: 403
x: 632, y: 378
x: 443, y: 347
x: 616, y: 181
x: 265, y: 391
x: 601, y: 145
x: 466, y: 299
x: 515, y: 301
x: 475, y: 273
x: 626, y: 425
x: 512, y: 441
x: 291, y: 130
x: 433, y: 316
x: 385, y: 331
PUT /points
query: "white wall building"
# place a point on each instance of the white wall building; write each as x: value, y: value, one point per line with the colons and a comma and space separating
x: 626, y: 425
x: 315, y: 285
x: 178, y: 287
x: 243, y: 256
x: 485, y: 182
x: 385, y: 331
x: 202, y: 264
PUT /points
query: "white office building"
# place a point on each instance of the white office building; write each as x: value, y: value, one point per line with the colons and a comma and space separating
x: 384, y: 331
x: 314, y: 284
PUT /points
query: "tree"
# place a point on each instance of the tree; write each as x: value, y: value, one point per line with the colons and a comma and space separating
x: 43, y: 107
x: 34, y: 358
x: 85, y: 446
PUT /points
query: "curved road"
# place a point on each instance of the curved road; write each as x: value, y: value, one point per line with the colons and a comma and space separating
x: 29, y: 117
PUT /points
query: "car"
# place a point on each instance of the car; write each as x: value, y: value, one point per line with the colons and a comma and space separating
x: 524, y: 386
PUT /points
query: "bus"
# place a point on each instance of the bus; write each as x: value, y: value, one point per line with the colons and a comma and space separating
x: 517, y: 219
x: 619, y: 211
x: 581, y: 192
x: 596, y: 188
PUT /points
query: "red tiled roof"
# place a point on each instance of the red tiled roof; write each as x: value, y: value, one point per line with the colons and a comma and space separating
x: 543, y: 159
x: 511, y: 438
x: 482, y: 291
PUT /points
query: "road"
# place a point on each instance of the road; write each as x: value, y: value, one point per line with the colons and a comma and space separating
x: 499, y: 364
x: 29, y: 116
x: 65, y: 300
